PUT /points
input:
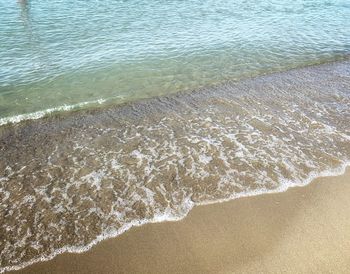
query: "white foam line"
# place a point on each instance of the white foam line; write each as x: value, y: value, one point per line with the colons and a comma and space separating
x: 285, y: 185
x: 42, y: 113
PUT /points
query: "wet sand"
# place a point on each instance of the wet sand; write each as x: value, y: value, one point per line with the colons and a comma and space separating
x: 302, y: 230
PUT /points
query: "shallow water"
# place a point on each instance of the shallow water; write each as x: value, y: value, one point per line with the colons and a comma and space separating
x: 69, y: 181
x: 55, y: 53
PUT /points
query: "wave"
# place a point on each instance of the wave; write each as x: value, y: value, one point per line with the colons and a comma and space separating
x: 43, y: 113
x: 168, y: 217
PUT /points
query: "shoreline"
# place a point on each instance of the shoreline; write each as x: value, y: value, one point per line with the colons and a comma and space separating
x: 139, y: 163
x: 337, y: 172
x: 266, y: 233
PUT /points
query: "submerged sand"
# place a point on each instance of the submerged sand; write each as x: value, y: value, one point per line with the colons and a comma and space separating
x: 302, y: 230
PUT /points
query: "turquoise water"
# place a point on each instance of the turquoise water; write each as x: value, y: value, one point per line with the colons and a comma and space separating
x: 61, y: 53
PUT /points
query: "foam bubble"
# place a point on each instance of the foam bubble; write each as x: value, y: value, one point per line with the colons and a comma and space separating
x: 40, y: 114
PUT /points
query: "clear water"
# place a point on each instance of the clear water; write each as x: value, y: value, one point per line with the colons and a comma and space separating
x: 55, y: 53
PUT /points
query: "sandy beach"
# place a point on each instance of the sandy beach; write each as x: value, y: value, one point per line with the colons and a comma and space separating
x: 302, y: 230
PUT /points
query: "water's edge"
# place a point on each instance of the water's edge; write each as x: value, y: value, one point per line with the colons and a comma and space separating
x: 164, y: 218
x: 299, y: 107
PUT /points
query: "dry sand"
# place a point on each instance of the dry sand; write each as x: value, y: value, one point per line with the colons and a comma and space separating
x: 303, y: 230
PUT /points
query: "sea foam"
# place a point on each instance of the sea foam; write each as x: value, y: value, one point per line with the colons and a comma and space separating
x: 42, y: 113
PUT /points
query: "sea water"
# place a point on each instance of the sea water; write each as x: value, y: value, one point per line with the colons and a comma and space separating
x: 59, y: 55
